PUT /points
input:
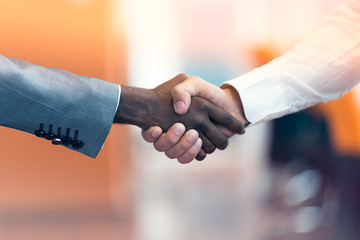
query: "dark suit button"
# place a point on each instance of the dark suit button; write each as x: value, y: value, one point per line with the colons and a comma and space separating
x: 50, y: 136
x: 66, y: 141
x: 77, y: 144
x: 40, y: 133
x: 56, y: 141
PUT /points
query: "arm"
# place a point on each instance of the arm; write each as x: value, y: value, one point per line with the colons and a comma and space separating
x: 77, y: 111
x: 321, y: 68
x: 57, y: 105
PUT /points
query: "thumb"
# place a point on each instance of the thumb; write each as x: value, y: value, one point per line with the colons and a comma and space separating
x: 181, y: 95
x: 195, y: 86
x: 182, y: 100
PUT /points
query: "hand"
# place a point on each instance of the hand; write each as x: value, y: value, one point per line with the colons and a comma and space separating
x: 184, y: 148
x: 226, y: 98
x: 154, y: 107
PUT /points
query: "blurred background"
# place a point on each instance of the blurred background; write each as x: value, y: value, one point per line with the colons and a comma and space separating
x: 292, y: 178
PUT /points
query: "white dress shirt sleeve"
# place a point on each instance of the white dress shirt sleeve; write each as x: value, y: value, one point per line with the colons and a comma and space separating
x: 323, y: 67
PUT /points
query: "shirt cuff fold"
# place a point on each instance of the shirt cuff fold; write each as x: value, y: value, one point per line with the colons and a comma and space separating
x: 261, y: 93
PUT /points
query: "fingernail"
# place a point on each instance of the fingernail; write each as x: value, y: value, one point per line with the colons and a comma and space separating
x: 155, y: 133
x: 192, y: 136
x: 179, y: 105
x: 179, y: 129
x: 198, y: 142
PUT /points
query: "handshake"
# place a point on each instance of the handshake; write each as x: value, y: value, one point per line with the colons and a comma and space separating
x: 185, y: 117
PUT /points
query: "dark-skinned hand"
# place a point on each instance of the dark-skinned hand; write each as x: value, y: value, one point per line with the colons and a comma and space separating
x: 154, y: 107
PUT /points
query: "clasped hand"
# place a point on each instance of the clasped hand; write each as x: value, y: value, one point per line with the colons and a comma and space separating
x: 147, y: 108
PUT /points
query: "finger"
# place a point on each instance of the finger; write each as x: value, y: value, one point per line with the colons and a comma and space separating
x: 191, y: 153
x: 170, y: 138
x: 195, y: 86
x: 185, y: 143
x: 201, y: 155
x: 151, y: 134
x: 225, y: 119
x: 225, y: 130
x: 208, y: 146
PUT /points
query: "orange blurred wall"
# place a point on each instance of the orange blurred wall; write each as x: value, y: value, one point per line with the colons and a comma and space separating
x: 34, y: 174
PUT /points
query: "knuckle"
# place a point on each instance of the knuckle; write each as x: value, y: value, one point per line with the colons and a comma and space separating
x: 175, y: 89
x: 185, y: 159
x: 196, y: 78
x: 201, y: 104
x: 170, y: 138
x: 182, y: 76
x: 201, y: 124
x: 159, y: 146
x: 209, y: 148
x: 170, y: 155
x: 192, y: 152
x: 171, y: 141
x: 204, y: 106
x: 228, y: 119
x: 189, y: 155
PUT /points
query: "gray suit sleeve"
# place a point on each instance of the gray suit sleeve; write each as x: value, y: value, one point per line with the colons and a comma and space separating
x: 67, y: 109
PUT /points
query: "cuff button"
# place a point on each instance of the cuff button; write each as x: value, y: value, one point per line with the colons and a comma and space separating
x: 67, y: 141
x: 49, y: 136
x: 77, y: 144
x: 40, y: 133
x: 56, y: 141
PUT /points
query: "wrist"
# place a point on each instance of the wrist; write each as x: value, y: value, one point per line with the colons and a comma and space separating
x: 234, y: 103
x: 133, y: 106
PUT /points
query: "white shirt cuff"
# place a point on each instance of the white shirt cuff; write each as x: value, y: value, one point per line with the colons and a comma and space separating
x: 261, y: 93
x: 117, y: 106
